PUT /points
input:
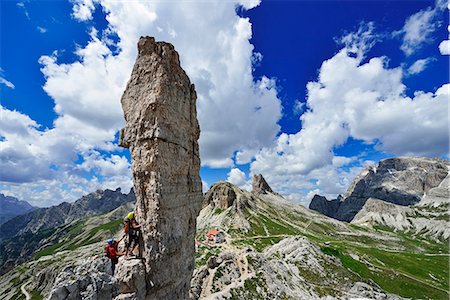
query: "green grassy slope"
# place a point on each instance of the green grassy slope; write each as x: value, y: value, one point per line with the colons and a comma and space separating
x: 402, y: 264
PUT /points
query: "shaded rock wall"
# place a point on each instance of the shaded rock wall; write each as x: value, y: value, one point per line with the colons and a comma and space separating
x: 324, y: 206
x: 161, y: 132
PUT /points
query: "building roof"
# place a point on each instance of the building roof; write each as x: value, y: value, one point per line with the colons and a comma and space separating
x: 213, y: 232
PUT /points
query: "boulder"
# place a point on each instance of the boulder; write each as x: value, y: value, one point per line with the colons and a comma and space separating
x: 130, y: 276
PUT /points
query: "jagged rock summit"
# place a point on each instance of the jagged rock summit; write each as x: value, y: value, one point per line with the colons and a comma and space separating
x: 224, y: 196
x: 161, y: 132
x: 402, y: 181
x: 260, y: 185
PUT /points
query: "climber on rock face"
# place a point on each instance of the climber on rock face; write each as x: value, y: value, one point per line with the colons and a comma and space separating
x: 133, y: 230
x: 111, y: 251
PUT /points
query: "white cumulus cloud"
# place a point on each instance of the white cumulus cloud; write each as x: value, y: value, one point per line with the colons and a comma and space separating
x: 238, y: 177
x: 362, y: 100
x: 237, y: 113
x: 82, y: 10
x: 444, y: 47
x: 38, y: 164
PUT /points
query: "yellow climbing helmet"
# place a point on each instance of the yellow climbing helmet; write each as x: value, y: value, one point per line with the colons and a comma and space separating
x: 130, y: 215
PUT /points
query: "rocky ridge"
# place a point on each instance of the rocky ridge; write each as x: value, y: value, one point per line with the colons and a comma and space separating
x: 401, y: 181
x: 225, y: 196
x: 162, y: 131
x: 282, y: 271
x: 98, y: 202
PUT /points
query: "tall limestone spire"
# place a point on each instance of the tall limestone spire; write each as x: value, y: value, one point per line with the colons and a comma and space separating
x: 161, y: 132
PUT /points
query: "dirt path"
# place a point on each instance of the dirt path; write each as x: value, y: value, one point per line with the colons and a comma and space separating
x: 259, y: 237
x: 24, y: 291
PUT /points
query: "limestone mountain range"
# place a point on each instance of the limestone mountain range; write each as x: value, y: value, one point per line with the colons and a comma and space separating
x: 401, y: 181
x: 406, y: 193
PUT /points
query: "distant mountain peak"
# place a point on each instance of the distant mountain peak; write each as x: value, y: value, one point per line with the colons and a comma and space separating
x: 11, y: 207
x: 260, y: 185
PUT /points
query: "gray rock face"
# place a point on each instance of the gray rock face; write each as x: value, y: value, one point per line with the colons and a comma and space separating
x: 225, y: 203
x: 220, y: 195
x: 438, y: 196
x: 260, y: 185
x: 429, y: 217
x: 131, y: 279
x: 161, y: 132
x: 362, y: 290
x: 91, y: 280
x: 288, y: 269
x: 401, y: 181
x: 326, y: 207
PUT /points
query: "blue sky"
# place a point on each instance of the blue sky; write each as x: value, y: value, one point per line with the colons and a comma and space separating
x: 305, y: 92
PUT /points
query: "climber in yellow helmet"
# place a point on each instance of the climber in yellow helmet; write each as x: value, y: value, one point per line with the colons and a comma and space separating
x: 133, y: 230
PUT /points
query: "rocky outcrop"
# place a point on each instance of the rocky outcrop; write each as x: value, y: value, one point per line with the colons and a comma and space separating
x: 376, y: 211
x: 91, y: 280
x: 223, y: 206
x: 401, y: 181
x: 161, y: 132
x: 428, y: 218
x: 438, y: 196
x: 131, y: 279
x: 220, y: 195
x: 260, y: 185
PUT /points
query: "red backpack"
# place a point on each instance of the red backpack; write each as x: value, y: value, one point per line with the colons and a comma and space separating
x: 107, y: 254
